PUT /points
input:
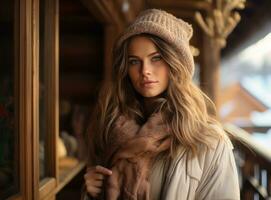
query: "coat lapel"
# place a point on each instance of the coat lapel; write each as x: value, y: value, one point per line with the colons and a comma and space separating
x: 193, y: 169
x: 170, y: 171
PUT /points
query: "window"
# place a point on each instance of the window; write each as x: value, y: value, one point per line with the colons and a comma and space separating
x: 9, y: 166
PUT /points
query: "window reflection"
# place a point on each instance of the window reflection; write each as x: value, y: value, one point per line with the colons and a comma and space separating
x: 9, y: 162
x: 42, y: 96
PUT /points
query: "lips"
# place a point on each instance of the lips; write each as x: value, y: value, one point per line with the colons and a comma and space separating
x: 148, y: 83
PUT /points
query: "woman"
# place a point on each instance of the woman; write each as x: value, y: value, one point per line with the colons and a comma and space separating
x: 153, y: 136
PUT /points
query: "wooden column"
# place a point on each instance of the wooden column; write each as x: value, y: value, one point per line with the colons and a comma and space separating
x: 51, y: 93
x: 217, y: 23
x: 210, y: 68
x: 24, y: 51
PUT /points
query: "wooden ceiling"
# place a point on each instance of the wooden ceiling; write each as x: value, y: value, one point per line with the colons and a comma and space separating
x: 184, y: 9
x: 123, y: 12
x: 253, y: 17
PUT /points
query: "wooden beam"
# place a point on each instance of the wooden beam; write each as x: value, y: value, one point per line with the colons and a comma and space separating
x: 72, y: 7
x: 187, y: 15
x: 179, y: 4
x: 74, y: 46
x: 82, y: 88
x: 133, y: 8
x: 51, y: 61
x: 104, y: 11
x: 127, y: 15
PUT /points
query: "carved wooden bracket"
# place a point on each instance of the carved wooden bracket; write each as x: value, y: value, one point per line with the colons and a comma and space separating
x: 221, y: 19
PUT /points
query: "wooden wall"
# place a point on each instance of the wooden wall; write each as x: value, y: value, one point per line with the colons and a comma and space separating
x: 81, y: 53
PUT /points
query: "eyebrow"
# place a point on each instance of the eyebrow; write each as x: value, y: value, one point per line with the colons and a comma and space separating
x: 151, y: 54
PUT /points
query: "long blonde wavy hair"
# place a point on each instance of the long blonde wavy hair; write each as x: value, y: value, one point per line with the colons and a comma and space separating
x: 185, y: 108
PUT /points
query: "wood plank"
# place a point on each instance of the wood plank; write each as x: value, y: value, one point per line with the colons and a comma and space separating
x: 87, y: 66
x: 133, y: 8
x: 72, y: 46
x: 73, y: 13
x: 187, y: 15
x: 253, y: 156
x: 82, y: 88
x: 73, y: 7
x: 68, y: 173
x: 51, y: 61
x: 25, y: 100
x: 105, y: 12
x: 47, y: 186
x: 245, y: 137
x: 35, y: 98
x: 76, y: 25
x: 179, y: 4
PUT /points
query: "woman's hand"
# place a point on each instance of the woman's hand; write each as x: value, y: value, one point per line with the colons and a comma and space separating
x: 94, y: 179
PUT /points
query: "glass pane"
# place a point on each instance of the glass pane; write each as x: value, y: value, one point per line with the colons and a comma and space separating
x: 9, y: 165
x: 42, y: 99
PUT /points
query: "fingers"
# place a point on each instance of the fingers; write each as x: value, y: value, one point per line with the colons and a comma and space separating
x: 103, y: 170
x: 93, y: 191
x: 93, y: 186
x: 94, y: 179
x: 94, y: 176
x: 100, y: 170
x: 95, y: 183
x: 98, y: 176
x: 97, y: 173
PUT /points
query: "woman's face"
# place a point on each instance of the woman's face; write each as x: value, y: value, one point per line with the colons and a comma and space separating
x: 148, y: 72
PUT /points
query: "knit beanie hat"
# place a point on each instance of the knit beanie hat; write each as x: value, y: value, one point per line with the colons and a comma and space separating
x: 172, y: 30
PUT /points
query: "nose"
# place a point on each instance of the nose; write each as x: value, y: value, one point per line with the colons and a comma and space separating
x: 146, y: 68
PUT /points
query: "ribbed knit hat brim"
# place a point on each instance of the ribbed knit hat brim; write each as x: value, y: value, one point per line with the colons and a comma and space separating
x: 172, y: 30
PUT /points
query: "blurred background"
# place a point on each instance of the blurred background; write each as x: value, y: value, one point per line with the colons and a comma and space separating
x: 56, y: 54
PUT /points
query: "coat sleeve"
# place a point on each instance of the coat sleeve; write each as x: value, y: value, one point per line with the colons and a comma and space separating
x: 220, y: 180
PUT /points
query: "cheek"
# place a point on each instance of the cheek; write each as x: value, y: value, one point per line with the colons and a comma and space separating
x: 133, y: 74
x: 164, y: 74
x: 132, y: 77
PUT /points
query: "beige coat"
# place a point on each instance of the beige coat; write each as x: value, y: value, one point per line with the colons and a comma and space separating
x: 211, y: 175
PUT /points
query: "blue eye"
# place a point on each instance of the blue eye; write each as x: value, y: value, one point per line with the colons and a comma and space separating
x: 133, y: 62
x: 156, y: 58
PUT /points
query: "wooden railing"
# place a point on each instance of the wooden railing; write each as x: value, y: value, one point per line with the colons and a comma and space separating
x: 254, y: 165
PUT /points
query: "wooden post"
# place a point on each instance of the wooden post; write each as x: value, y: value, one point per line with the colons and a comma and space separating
x: 209, y: 68
x: 216, y: 27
